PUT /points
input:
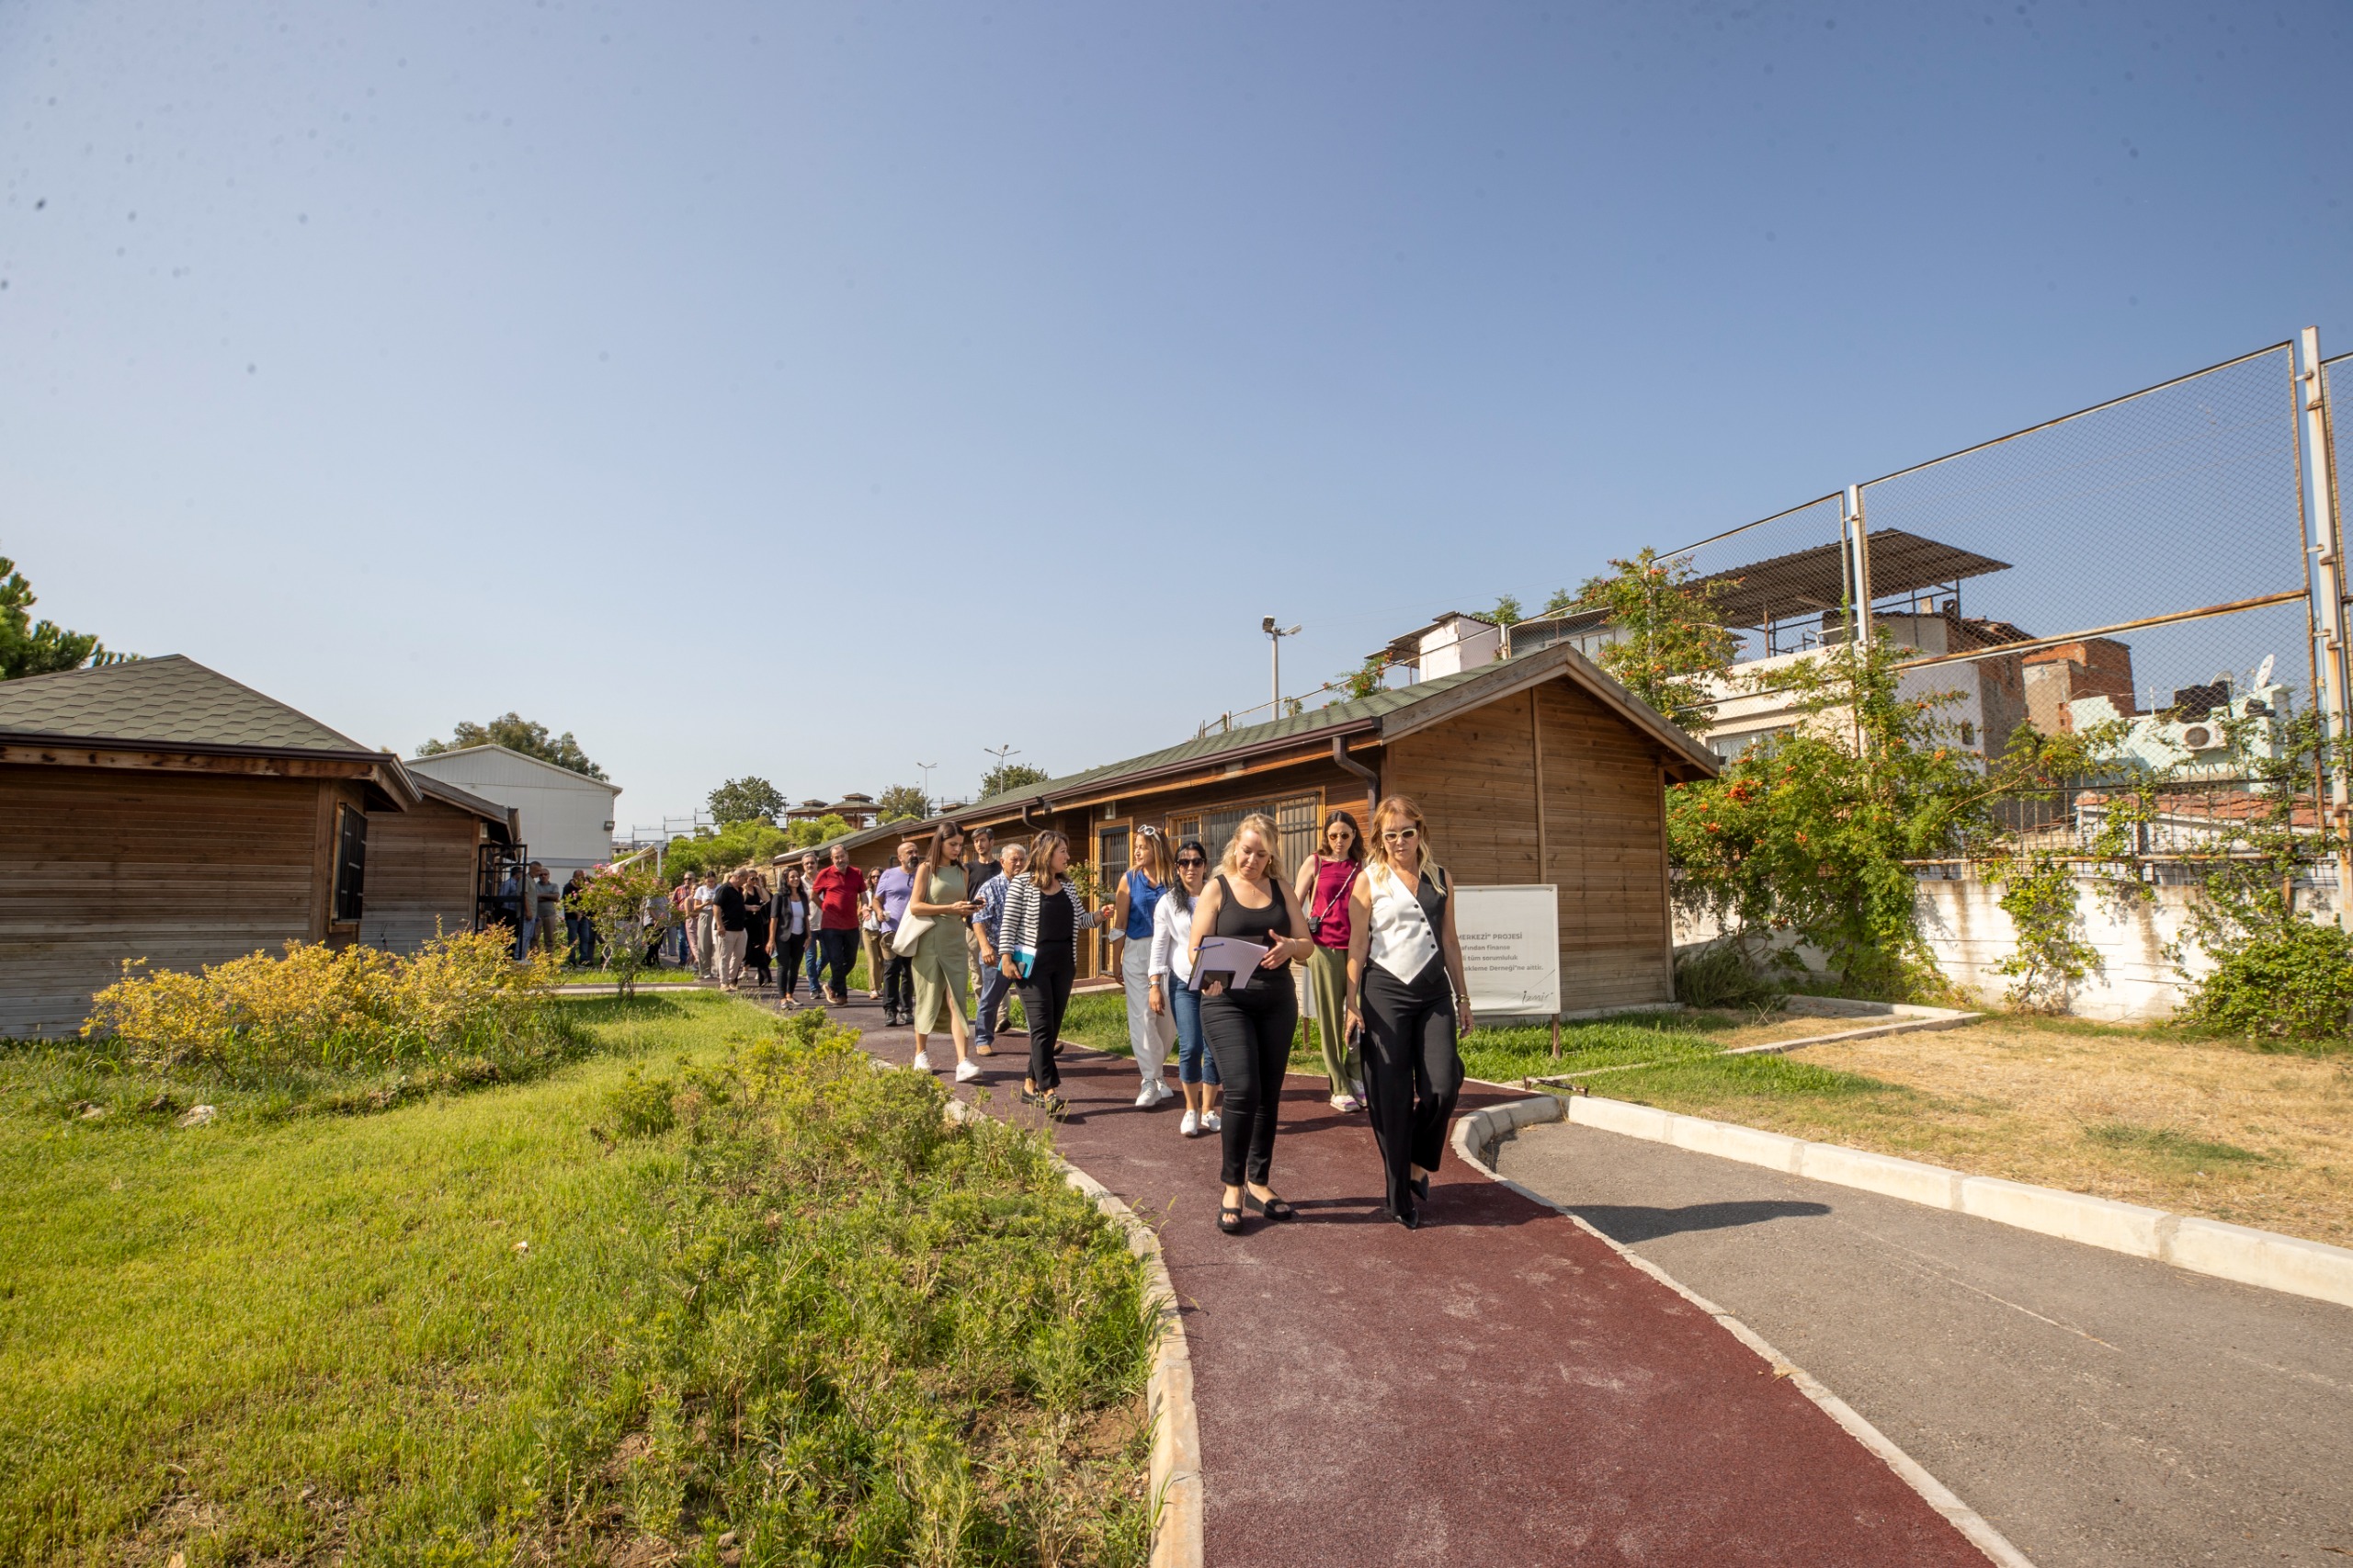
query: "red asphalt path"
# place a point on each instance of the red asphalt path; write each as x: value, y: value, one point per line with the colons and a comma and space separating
x: 1497, y: 1388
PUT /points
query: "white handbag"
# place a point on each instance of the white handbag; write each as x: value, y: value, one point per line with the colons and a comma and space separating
x: 910, y: 932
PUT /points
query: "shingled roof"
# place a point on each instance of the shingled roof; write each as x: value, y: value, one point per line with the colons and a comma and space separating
x: 171, y: 700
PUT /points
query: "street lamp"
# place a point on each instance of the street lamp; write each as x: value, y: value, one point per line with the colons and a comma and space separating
x: 1275, y: 635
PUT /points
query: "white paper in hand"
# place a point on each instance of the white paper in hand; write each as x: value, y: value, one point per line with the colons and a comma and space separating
x: 1227, y: 958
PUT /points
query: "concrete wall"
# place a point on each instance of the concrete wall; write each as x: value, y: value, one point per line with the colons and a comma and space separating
x: 2132, y: 981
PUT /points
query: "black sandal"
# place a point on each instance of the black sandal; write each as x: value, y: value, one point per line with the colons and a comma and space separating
x: 1421, y: 1186
x: 1409, y: 1217
x: 1272, y: 1207
x: 1229, y: 1220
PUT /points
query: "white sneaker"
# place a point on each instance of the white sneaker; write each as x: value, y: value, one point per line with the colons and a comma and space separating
x: 967, y: 1071
x: 1191, y: 1126
x: 922, y: 1064
x: 1210, y: 1123
x: 1147, y: 1097
x: 1166, y: 1092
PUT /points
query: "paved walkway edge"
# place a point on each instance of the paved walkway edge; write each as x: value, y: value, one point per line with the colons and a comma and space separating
x: 2237, y: 1253
x: 1475, y: 1134
x: 1175, y: 1481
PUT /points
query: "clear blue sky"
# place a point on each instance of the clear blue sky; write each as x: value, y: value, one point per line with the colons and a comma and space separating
x: 741, y: 388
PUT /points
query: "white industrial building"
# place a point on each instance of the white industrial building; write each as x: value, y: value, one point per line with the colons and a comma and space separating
x: 565, y: 818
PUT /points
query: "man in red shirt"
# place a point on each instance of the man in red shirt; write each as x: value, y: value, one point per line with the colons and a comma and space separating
x: 838, y: 887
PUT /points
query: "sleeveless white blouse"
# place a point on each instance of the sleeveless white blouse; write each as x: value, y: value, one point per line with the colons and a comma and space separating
x: 1400, y: 940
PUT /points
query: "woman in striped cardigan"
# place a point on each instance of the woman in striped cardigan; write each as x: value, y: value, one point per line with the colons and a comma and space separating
x: 1038, y: 938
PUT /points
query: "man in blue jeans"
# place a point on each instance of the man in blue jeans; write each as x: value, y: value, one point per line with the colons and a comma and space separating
x: 1015, y: 859
x: 891, y: 891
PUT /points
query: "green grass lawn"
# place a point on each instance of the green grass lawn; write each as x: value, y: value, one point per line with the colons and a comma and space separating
x: 492, y: 1326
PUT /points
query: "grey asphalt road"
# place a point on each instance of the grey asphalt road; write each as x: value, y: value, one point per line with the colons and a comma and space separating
x: 2095, y: 1408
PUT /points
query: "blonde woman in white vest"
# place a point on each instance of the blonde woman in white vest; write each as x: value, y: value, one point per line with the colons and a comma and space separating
x: 1407, y: 991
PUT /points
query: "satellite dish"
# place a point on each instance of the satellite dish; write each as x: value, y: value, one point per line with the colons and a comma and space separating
x: 2263, y: 671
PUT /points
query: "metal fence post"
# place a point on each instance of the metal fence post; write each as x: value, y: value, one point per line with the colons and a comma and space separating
x: 1860, y: 631
x: 2328, y: 589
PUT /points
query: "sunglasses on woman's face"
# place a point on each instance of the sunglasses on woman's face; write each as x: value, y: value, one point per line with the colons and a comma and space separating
x: 1191, y: 860
x: 1399, y: 835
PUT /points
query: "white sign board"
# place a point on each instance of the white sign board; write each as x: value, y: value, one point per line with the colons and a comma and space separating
x: 1511, y: 950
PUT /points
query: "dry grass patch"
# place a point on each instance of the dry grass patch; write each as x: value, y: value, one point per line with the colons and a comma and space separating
x: 2143, y: 1116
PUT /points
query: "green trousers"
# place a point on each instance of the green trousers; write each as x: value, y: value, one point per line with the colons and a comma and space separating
x: 1327, y: 971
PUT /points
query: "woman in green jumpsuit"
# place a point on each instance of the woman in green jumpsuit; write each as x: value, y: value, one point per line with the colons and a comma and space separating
x: 941, y: 955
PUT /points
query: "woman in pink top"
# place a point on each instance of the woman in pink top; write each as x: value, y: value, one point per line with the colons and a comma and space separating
x: 1324, y: 884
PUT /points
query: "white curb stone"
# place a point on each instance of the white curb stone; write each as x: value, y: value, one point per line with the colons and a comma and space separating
x: 1747, y: 1144
x: 1883, y: 1173
x: 2263, y: 1258
x: 2075, y: 1216
x: 1616, y: 1115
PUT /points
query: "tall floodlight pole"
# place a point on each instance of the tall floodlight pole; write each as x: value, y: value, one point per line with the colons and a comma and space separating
x: 925, y: 768
x: 1275, y: 636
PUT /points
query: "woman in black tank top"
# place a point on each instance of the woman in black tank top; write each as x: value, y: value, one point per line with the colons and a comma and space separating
x: 1249, y: 1027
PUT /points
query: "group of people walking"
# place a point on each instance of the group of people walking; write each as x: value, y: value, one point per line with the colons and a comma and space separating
x: 958, y: 926
x: 1372, y: 919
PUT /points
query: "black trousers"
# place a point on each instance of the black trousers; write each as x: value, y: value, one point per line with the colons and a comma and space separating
x: 840, y: 948
x: 898, y: 983
x: 1249, y: 1034
x: 1045, y: 996
x: 789, y: 974
x: 1413, y: 1074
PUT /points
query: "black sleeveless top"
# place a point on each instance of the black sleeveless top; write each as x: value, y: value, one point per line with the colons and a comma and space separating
x: 1236, y: 918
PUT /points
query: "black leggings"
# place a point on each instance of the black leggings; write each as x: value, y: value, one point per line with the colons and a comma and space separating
x: 1413, y: 1074
x: 1249, y: 1033
x: 787, y: 959
x: 1045, y: 996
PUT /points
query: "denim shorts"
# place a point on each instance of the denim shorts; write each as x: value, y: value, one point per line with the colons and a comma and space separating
x: 1194, y: 1063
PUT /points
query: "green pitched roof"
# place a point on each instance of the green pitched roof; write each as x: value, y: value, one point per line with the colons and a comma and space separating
x: 1353, y: 715
x: 172, y: 700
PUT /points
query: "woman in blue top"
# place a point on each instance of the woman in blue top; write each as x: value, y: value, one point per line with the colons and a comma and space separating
x: 1149, y: 1033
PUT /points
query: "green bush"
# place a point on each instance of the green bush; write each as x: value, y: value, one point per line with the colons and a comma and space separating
x: 461, y: 999
x: 886, y: 1338
x: 2284, y: 982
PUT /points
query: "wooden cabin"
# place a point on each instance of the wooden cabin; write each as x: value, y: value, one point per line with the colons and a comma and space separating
x: 432, y: 868
x: 157, y: 810
x: 1537, y: 769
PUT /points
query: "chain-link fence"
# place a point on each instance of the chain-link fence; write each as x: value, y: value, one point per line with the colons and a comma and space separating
x: 2145, y: 560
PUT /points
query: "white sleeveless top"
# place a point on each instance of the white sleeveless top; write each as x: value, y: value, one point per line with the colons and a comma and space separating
x: 1399, y: 940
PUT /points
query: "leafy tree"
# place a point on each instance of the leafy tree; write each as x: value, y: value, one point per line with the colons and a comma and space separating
x: 1006, y: 776
x: 1364, y: 680
x: 1808, y: 833
x: 1561, y: 599
x: 36, y: 648
x: 518, y: 734
x: 902, y: 802
x: 1507, y: 612
x: 746, y: 799
x: 808, y: 834
x: 737, y: 844
x: 1673, y: 649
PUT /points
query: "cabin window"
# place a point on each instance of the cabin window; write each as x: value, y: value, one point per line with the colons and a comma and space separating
x: 350, y: 863
x: 1294, y: 829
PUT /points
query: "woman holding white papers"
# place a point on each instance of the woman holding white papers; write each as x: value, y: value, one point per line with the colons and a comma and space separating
x: 1173, y: 996
x: 1250, y: 1022
x: 1410, y: 1000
